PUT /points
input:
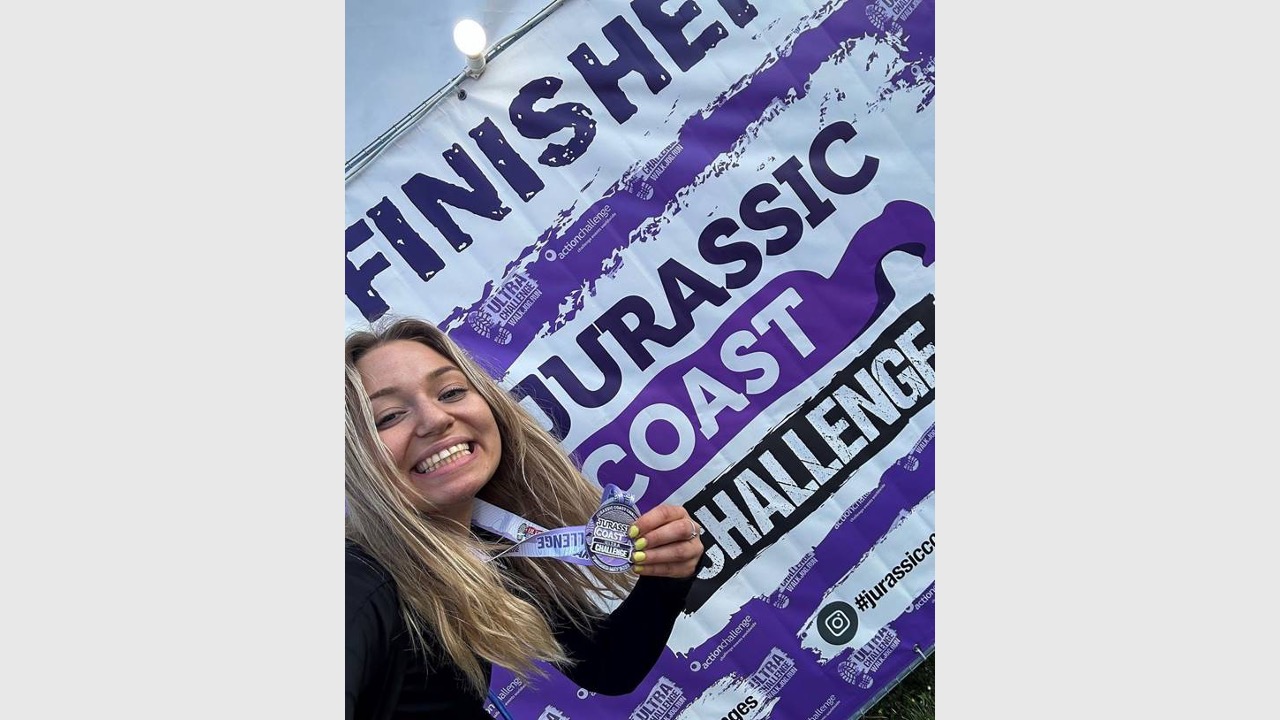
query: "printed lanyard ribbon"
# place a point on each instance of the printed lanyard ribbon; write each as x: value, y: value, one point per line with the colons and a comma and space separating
x: 603, y: 541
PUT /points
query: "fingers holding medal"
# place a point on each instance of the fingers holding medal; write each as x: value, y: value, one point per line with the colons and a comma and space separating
x: 668, y: 542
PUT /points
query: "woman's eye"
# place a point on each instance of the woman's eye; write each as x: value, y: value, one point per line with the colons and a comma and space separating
x: 386, y: 419
x: 453, y: 394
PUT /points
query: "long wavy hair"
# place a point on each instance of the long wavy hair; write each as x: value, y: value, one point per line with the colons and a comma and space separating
x: 449, y: 588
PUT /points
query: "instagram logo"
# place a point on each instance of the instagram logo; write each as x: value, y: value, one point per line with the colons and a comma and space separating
x: 837, y: 622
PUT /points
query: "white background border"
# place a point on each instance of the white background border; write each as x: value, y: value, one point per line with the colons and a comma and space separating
x: 174, y: 294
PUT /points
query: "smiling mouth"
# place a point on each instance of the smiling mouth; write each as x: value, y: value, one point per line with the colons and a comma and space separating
x: 445, y: 457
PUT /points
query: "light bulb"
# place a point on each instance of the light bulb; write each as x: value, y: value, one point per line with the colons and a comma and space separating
x: 468, y: 35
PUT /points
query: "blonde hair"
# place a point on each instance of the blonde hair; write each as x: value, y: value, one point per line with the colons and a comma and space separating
x: 475, y: 608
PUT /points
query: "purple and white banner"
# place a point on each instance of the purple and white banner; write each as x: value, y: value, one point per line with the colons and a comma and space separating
x: 697, y: 239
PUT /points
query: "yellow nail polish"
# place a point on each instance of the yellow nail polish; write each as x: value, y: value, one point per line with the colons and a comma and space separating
x: 638, y: 568
x: 637, y: 557
x: 633, y: 532
x: 642, y: 544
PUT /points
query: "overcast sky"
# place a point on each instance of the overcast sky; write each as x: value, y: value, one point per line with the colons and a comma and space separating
x: 399, y: 52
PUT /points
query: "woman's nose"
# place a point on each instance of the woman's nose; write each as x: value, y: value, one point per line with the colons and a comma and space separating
x: 432, y: 420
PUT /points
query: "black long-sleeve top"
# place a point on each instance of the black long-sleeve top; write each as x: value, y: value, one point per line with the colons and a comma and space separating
x: 388, y: 680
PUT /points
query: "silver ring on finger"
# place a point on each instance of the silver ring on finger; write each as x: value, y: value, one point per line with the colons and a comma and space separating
x: 695, y: 529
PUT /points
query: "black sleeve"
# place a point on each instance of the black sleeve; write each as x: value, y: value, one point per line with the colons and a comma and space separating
x: 373, y: 619
x: 626, y: 644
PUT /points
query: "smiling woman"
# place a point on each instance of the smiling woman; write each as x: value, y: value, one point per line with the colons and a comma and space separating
x: 435, y: 450
x: 438, y: 429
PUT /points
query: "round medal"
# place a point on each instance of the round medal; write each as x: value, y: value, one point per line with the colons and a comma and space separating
x: 608, y: 544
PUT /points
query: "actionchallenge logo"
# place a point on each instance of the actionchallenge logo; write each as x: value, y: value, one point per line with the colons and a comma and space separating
x: 588, y: 232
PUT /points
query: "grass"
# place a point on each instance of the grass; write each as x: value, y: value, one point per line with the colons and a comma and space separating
x: 911, y: 699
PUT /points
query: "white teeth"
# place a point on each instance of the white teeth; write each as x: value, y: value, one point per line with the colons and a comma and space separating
x: 444, y: 457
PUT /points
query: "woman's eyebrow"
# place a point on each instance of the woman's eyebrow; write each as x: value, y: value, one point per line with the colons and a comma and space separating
x: 443, y: 369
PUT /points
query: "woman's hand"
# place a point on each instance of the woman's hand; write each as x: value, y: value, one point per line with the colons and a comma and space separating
x: 667, y: 542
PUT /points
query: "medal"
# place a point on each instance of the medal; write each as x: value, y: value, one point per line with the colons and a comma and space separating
x: 604, y: 541
x: 609, y: 545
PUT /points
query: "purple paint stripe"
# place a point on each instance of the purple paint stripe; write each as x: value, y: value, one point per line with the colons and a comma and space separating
x: 832, y: 313
x: 703, y: 138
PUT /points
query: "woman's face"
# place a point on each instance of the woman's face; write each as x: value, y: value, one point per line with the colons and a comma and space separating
x: 440, y: 431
